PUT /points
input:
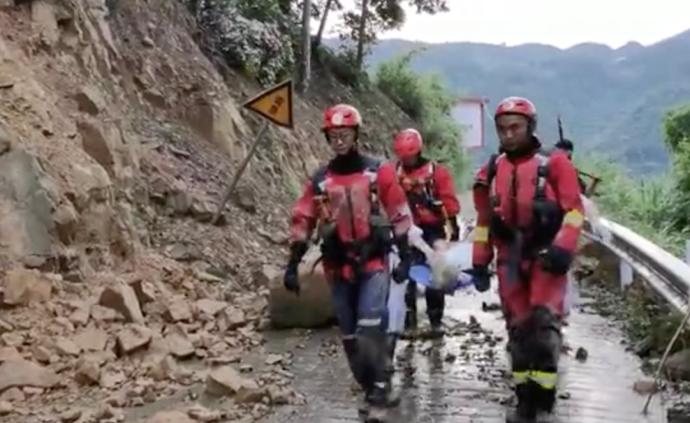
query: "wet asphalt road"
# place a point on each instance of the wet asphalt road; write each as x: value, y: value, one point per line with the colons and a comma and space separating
x: 463, y: 377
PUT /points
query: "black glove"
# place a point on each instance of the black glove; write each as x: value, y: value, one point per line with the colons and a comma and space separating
x: 291, y: 279
x: 402, y: 271
x: 556, y: 260
x: 481, y: 278
x: 455, y: 229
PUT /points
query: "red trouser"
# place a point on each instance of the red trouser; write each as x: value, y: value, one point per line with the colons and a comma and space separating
x: 533, y: 308
x: 534, y: 287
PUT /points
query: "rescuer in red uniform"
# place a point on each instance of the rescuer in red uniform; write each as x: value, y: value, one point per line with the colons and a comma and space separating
x: 354, y: 201
x: 431, y: 195
x: 529, y: 211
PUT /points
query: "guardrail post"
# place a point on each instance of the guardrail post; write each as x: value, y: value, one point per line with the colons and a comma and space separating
x: 625, y: 272
x: 687, y: 251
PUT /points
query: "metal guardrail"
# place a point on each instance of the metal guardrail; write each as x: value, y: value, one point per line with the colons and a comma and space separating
x: 668, y: 275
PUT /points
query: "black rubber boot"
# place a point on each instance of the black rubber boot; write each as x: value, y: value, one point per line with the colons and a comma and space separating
x: 519, y: 342
x: 546, y: 400
x: 377, y: 400
x: 526, y: 409
x: 392, y: 395
x: 436, y: 330
x: 411, y: 303
x: 391, y: 342
x: 372, y: 356
x: 435, y: 305
x: 546, y: 350
x: 350, y: 348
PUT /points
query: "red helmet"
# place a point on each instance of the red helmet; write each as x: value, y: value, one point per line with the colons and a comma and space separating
x: 408, y: 143
x: 341, y: 116
x: 517, y: 106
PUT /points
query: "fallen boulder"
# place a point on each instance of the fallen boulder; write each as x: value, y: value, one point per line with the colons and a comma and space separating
x: 22, y: 373
x: 312, y: 308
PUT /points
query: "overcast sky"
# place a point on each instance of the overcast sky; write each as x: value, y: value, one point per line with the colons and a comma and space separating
x: 562, y: 23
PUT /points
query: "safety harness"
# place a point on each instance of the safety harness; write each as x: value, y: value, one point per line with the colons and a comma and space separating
x: 358, y: 252
x: 548, y: 215
x: 429, y: 198
x: 429, y: 185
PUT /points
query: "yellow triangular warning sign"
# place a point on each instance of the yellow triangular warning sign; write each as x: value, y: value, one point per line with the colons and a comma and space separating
x: 274, y: 104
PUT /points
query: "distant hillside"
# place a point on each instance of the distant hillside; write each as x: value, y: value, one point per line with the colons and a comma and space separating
x: 611, y: 100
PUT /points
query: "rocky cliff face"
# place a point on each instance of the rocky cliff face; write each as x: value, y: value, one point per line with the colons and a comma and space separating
x: 117, y: 139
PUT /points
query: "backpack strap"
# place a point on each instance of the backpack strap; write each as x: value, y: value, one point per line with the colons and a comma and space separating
x: 371, y: 170
x: 318, y: 180
x: 371, y: 167
x: 491, y: 171
x: 491, y: 176
x: 542, y: 177
x: 431, y: 183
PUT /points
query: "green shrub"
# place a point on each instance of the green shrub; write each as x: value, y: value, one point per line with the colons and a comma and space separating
x: 647, y: 207
x: 251, y: 35
x: 427, y: 100
x: 342, y: 65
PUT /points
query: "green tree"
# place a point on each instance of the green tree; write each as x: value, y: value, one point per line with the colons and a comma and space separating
x: 323, y: 10
x: 427, y: 100
x: 646, y: 206
x: 254, y: 36
x: 655, y: 207
x: 371, y: 17
x: 677, y: 138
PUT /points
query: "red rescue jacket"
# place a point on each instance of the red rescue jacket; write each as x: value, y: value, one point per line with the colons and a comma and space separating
x: 346, y: 203
x: 430, y: 192
x: 509, y: 196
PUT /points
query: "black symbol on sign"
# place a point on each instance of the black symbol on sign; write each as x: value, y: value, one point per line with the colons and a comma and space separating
x: 276, y: 105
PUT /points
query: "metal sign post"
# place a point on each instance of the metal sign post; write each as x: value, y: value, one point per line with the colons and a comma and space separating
x: 626, y: 274
x: 274, y: 104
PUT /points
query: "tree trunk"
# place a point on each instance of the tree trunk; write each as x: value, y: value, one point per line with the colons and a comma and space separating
x: 285, y: 6
x: 305, y: 65
x: 322, y: 25
x: 361, y: 35
x: 194, y: 7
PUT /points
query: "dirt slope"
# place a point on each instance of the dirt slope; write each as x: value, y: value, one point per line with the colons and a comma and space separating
x: 117, y: 139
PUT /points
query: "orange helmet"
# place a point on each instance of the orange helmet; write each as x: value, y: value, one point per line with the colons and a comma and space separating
x: 518, y: 106
x: 408, y: 143
x: 341, y: 116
